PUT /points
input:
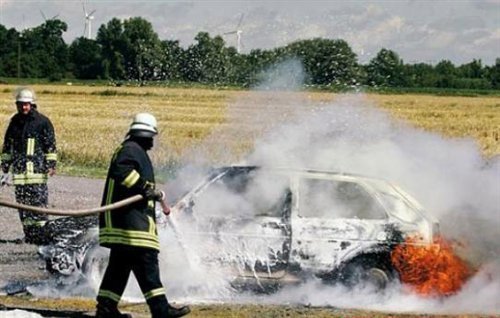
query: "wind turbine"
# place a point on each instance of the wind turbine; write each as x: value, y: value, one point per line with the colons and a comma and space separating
x: 88, y: 22
x: 238, y: 33
x: 45, y: 18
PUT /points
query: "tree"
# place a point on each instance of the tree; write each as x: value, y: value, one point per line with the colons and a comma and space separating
x: 130, y: 50
x: 238, y: 70
x: 420, y: 75
x: 472, y: 76
x: 326, y: 61
x: 494, y: 74
x: 3, y: 49
x: 473, y: 69
x: 85, y: 57
x: 206, y: 61
x: 172, y: 60
x: 43, y: 50
x: 110, y: 38
x: 142, y: 50
x: 9, y: 51
x: 261, y: 60
x: 385, y: 69
x: 446, y: 73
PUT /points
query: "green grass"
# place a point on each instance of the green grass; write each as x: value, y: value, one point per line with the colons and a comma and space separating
x: 82, y: 170
x: 433, y: 91
x: 320, y: 88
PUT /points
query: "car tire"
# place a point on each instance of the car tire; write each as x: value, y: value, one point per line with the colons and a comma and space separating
x: 377, y: 277
x: 367, y: 271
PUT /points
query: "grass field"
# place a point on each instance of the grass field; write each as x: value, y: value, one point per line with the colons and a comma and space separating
x: 91, y: 121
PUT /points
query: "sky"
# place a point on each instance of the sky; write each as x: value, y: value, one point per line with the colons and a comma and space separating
x: 418, y: 30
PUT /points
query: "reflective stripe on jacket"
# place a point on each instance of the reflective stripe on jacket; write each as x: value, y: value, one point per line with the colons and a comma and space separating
x: 134, y: 225
x: 29, y: 148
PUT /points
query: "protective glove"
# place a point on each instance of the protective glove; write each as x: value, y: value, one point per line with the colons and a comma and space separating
x: 5, y: 180
x: 152, y: 194
x: 164, y: 206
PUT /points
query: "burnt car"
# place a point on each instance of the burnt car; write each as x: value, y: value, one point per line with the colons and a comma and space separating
x: 267, y: 227
x: 272, y: 226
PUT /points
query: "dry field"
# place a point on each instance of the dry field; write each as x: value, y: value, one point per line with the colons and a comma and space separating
x: 474, y: 117
x: 91, y: 121
x: 84, y: 308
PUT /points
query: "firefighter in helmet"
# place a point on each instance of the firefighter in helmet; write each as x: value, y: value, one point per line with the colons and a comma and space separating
x: 29, y: 152
x: 130, y: 232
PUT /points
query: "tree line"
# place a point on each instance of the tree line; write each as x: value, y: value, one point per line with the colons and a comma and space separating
x: 130, y: 50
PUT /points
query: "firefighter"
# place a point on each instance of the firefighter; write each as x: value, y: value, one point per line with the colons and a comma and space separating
x: 29, y: 151
x: 130, y: 232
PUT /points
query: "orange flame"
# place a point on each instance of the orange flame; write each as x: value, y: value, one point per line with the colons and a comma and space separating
x: 431, y: 270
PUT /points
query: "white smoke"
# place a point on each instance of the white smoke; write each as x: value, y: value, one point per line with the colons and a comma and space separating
x: 19, y: 314
x: 287, y: 75
x: 448, y: 176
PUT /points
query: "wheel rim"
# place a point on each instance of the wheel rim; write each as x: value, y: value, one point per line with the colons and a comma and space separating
x: 377, y: 277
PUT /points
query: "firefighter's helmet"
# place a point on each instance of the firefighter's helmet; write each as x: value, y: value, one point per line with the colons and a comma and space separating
x: 144, y: 125
x: 25, y: 95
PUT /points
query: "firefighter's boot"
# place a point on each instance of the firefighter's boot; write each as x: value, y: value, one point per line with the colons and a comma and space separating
x: 109, y: 309
x: 160, y: 308
x: 173, y: 312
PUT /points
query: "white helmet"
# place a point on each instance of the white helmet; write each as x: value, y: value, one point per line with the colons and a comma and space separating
x: 25, y: 95
x: 144, y: 125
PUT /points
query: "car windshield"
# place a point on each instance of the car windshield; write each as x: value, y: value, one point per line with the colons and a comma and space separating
x: 337, y: 199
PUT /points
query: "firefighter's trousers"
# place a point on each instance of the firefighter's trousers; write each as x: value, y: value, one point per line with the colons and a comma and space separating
x: 33, y: 223
x: 143, y: 262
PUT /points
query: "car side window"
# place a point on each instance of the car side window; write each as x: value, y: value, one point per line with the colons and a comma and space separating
x: 399, y: 208
x: 330, y: 199
x: 268, y: 193
x: 245, y: 194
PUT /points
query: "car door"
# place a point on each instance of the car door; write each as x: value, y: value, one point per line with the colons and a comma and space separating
x: 242, y: 222
x: 334, y: 218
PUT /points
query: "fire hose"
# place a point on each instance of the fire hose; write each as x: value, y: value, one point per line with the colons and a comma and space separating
x: 85, y: 212
x: 82, y: 212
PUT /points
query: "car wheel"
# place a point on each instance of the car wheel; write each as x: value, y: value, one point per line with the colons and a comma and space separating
x: 94, y: 265
x: 367, y: 272
x: 376, y: 277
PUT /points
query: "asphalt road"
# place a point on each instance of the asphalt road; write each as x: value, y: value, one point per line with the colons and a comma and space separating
x: 19, y: 262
